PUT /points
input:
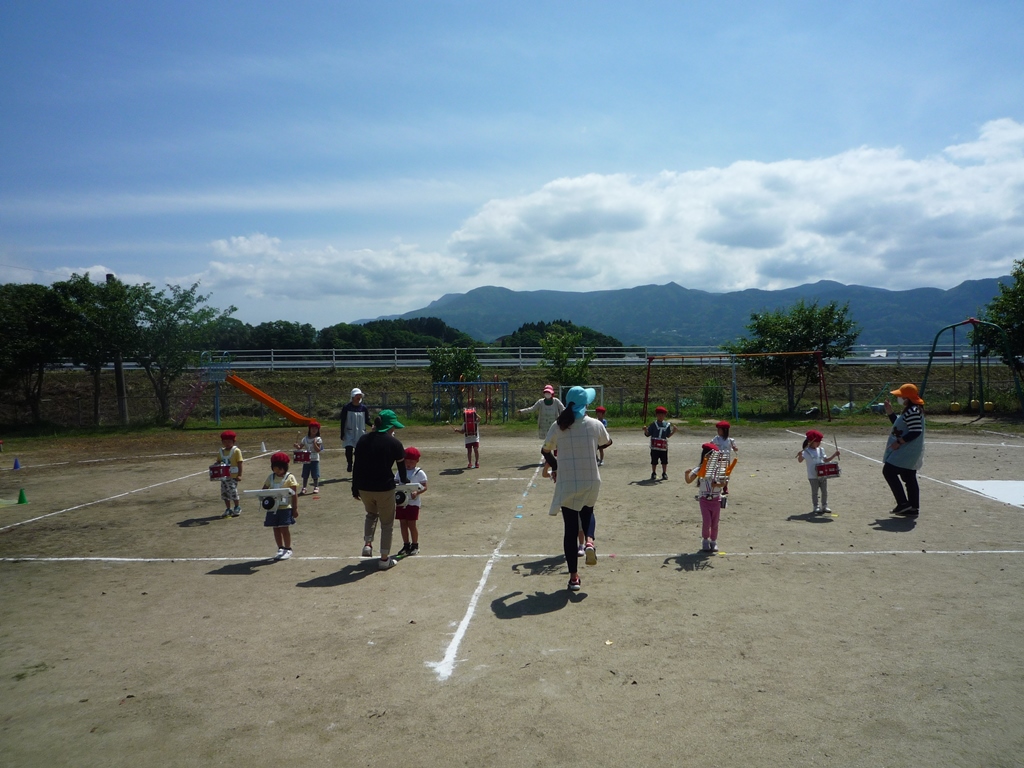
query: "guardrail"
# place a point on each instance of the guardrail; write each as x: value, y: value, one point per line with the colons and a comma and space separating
x: 528, y: 357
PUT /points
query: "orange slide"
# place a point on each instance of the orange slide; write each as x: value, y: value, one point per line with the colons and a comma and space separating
x: 261, y: 396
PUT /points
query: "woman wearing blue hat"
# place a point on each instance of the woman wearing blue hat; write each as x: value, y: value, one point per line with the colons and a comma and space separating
x: 576, y: 437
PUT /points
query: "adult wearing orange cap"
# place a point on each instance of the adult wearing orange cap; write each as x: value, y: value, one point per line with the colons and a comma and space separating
x: 904, y: 450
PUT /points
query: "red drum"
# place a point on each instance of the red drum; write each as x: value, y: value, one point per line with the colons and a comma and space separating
x: 220, y: 471
x: 471, y: 421
x: 827, y: 470
x: 302, y: 457
x: 657, y: 444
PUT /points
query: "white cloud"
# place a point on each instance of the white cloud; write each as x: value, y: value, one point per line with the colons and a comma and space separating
x: 866, y: 216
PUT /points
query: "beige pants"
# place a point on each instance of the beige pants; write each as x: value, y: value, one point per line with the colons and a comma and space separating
x: 379, y: 505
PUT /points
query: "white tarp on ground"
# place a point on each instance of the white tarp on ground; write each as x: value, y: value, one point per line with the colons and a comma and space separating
x: 1006, y: 491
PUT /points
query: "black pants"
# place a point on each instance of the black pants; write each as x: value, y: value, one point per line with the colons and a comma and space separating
x: 570, y: 541
x: 897, y: 477
x: 349, y: 452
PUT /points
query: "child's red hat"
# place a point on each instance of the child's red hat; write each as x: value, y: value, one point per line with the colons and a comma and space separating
x: 813, y: 434
x: 600, y: 409
x: 314, y: 424
x: 661, y: 409
x: 280, y: 458
x: 723, y: 424
x: 228, y: 435
x: 413, y: 453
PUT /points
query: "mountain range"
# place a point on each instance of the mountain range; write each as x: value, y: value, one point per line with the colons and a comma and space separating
x: 670, y: 315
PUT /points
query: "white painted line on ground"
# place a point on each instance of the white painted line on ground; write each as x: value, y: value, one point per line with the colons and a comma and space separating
x: 446, y: 666
x: 510, y: 556
x: 100, y: 501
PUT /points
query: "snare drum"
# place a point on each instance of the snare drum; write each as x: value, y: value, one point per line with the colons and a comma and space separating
x: 827, y: 470
x: 220, y: 471
x: 302, y: 457
x: 657, y: 444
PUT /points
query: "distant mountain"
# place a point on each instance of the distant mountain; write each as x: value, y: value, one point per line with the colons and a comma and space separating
x: 672, y: 315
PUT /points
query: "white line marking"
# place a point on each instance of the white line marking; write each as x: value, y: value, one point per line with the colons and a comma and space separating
x: 100, y: 501
x: 494, y: 556
x: 446, y: 666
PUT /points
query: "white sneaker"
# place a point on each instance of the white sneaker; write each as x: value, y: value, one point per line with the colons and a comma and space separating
x: 705, y: 545
x: 591, y: 554
x: 285, y: 554
x: 714, y: 546
x: 826, y: 510
x: 367, y: 550
x: 280, y: 553
x: 383, y: 565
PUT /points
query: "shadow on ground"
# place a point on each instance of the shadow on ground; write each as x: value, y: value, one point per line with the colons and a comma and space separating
x: 691, y: 561
x: 533, y: 605
x: 347, y: 575
x: 895, y: 524
x: 545, y: 567
x: 242, y: 569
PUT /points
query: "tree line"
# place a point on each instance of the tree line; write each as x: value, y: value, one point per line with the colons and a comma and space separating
x: 96, y: 325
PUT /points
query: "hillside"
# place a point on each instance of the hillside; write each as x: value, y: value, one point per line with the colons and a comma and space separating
x: 672, y: 315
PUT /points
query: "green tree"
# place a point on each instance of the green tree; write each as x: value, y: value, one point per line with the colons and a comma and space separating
x: 1007, y: 311
x: 31, y: 340
x: 175, y: 327
x: 531, y: 334
x: 557, y: 349
x: 231, y: 333
x: 283, y: 334
x: 101, y: 326
x: 800, y: 328
x: 454, y: 364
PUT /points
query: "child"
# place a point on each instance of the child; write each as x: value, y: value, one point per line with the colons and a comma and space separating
x: 313, y: 443
x: 723, y: 442
x: 813, y: 454
x: 600, y: 412
x: 709, y: 496
x: 659, y: 431
x: 408, y: 514
x: 231, y: 455
x: 281, y: 518
x: 471, y: 429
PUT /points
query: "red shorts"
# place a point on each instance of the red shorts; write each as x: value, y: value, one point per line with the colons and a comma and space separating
x: 411, y: 512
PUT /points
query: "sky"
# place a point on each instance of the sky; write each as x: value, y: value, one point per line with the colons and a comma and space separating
x: 326, y: 162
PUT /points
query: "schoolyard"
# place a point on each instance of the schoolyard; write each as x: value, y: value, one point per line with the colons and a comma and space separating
x: 139, y: 628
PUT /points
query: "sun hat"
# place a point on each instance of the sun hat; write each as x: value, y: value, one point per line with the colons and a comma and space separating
x: 580, y: 399
x: 661, y: 409
x: 412, y: 453
x: 389, y: 420
x: 228, y: 435
x: 909, y: 391
x: 548, y: 389
x: 279, y: 458
x: 355, y: 391
x: 813, y: 434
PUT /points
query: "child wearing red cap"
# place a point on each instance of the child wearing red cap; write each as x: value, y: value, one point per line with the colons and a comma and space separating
x: 709, y: 497
x: 231, y: 455
x: 282, y: 517
x: 812, y: 454
x: 313, y: 443
x: 408, y: 514
x: 723, y: 442
x: 659, y: 431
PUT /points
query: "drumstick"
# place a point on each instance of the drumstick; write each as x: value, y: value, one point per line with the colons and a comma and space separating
x: 836, y: 444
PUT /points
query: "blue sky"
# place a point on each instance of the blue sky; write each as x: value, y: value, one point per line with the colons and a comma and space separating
x: 326, y: 162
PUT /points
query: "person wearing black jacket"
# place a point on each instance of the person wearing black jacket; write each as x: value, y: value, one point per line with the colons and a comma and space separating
x: 373, y: 482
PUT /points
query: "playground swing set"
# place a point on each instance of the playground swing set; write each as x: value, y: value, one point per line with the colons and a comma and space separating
x: 981, y: 379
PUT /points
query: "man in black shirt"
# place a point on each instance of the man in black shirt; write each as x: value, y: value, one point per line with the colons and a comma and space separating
x: 373, y: 482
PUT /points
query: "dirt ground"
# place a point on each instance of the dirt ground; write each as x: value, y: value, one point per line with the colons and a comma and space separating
x: 139, y: 628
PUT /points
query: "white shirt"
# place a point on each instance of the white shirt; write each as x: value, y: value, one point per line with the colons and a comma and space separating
x: 578, y: 481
